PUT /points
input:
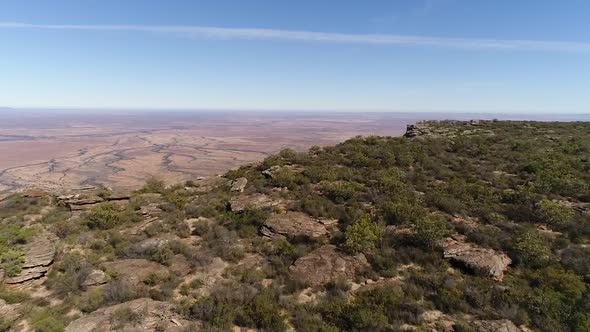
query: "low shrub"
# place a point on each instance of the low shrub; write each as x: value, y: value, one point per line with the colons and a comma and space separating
x: 47, y: 321
x: 363, y: 235
x: 13, y: 295
x: 125, y: 316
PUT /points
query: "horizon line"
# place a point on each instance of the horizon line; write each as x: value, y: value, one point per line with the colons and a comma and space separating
x: 284, y: 110
x: 218, y: 33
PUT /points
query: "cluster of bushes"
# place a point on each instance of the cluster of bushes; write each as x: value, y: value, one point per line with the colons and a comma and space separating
x: 238, y: 304
x: 108, y: 215
x: 510, y: 178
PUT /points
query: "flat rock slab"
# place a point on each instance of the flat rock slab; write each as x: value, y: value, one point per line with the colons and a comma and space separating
x: 80, y: 202
x: 484, y: 261
x: 9, y: 312
x: 155, y: 315
x: 95, y: 278
x: 296, y: 224
x: 38, y: 253
x: 327, y: 264
x: 254, y: 201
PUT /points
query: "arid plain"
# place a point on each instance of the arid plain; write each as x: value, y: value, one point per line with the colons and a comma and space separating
x: 55, y: 150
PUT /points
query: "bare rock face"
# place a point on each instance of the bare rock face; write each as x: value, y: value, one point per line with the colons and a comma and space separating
x: 502, y: 325
x: 95, y: 278
x: 270, y: 173
x: 84, y: 199
x: 327, y: 264
x: 9, y: 312
x: 256, y: 201
x: 482, y: 260
x: 79, y: 202
x: 38, y: 253
x: 239, y: 184
x: 152, y: 316
x: 296, y: 224
x: 151, y: 210
x: 416, y: 130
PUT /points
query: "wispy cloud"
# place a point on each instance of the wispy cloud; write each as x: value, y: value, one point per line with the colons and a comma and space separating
x: 311, y: 36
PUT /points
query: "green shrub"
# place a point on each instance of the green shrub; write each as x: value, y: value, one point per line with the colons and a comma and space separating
x: 13, y: 295
x: 154, y: 186
x: 446, y: 203
x: 340, y: 191
x: 125, y: 316
x: 119, y: 291
x: 201, y: 227
x: 554, y: 213
x: 69, y: 273
x: 12, y: 262
x: 104, y: 216
x: 429, y: 231
x: 264, y: 313
x: 531, y: 248
x: 47, y: 321
x: 91, y: 300
x: 403, y: 211
x: 318, y: 206
x: 363, y: 235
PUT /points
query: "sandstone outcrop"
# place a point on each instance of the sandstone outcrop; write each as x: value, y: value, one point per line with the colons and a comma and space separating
x: 95, y: 278
x: 481, y: 260
x: 9, y: 312
x: 415, y: 130
x: 38, y: 256
x: 152, y: 316
x: 295, y: 224
x: 83, y: 199
x: 254, y: 201
x: 238, y: 184
x: 327, y: 264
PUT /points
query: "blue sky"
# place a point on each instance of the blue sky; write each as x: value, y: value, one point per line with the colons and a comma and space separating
x: 396, y: 55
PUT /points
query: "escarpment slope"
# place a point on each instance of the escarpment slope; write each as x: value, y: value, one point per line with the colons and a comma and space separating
x: 458, y: 226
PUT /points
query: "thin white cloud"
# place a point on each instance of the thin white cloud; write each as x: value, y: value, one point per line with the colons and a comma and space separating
x: 310, y: 36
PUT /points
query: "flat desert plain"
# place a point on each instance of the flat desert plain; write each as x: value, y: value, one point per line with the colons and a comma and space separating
x: 55, y: 150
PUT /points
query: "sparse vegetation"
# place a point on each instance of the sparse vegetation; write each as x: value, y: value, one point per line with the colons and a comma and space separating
x: 517, y: 190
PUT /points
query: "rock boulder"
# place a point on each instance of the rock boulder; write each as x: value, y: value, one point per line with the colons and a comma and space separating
x: 481, y: 260
x: 152, y: 316
x: 296, y: 224
x: 327, y: 264
x: 238, y: 184
x: 254, y: 201
x: 95, y: 278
